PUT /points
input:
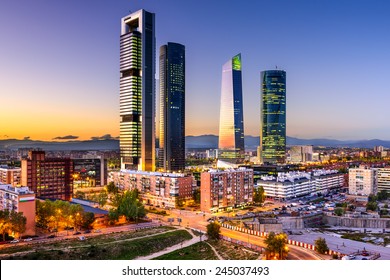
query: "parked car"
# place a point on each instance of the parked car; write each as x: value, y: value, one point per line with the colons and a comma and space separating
x: 51, y: 236
x: 77, y: 233
x: 27, y: 239
x: 15, y: 241
x: 87, y: 231
x: 97, y: 230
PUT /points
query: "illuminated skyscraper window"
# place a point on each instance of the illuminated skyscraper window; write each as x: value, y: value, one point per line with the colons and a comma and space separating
x: 172, y: 107
x: 273, y: 116
x: 231, y: 124
x: 137, y: 91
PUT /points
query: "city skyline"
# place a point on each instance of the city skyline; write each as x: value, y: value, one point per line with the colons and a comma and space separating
x: 335, y: 54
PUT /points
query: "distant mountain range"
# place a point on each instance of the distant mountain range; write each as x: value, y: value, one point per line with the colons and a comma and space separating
x: 252, y: 142
x: 192, y: 142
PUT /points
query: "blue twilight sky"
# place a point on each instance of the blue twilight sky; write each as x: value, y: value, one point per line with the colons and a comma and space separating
x: 59, y: 63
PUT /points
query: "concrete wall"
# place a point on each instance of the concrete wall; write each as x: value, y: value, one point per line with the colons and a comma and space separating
x: 292, y: 223
x: 356, y: 222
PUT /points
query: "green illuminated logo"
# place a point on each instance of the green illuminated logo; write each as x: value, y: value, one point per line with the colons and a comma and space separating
x: 237, y: 62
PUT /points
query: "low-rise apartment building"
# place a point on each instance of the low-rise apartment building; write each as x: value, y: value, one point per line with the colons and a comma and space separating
x: 156, y: 188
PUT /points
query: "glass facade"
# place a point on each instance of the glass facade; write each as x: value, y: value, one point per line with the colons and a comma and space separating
x: 273, y: 116
x: 137, y: 91
x: 172, y: 107
x: 231, y: 124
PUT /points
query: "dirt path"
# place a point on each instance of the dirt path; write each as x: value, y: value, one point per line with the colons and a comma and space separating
x: 195, y: 239
x: 215, y: 251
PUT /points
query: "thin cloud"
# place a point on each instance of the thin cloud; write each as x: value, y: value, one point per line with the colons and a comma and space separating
x: 104, y: 137
x: 67, y: 137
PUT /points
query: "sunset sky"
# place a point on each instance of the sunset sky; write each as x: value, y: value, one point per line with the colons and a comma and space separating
x: 59, y: 64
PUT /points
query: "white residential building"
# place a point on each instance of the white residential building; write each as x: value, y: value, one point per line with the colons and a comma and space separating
x: 289, y: 185
x: 384, y: 179
x: 362, y: 181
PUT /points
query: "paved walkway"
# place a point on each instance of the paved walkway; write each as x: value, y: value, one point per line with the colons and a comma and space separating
x: 195, y: 239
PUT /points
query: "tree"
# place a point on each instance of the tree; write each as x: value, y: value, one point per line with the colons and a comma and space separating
x: 196, y: 196
x: 11, y: 221
x: 129, y: 205
x: 383, y: 195
x: 372, y: 205
x: 276, y: 245
x: 43, y: 213
x: 321, y: 246
x: 339, y: 211
x: 87, y: 219
x: 102, y: 199
x: 259, y: 195
x: 111, y: 188
x: 213, y: 230
x: 18, y: 223
x: 5, y: 222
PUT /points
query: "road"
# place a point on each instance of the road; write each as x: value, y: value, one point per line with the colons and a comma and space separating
x: 198, y: 221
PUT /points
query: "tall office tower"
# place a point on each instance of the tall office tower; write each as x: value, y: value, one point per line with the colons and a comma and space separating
x: 273, y: 117
x: 231, y: 119
x: 137, y: 91
x: 172, y: 107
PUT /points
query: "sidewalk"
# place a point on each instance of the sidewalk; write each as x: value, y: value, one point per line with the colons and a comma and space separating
x: 195, y: 239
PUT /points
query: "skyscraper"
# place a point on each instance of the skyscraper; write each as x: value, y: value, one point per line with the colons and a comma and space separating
x: 231, y: 123
x: 273, y: 116
x: 137, y: 91
x: 172, y: 107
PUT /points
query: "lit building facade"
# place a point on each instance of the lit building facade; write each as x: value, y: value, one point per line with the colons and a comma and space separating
x: 273, y: 117
x: 48, y: 177
x: 362, y: 181
x: 384, y: 179
x: 231, y: 123
x: 137, y: 91
x: 172, y: 107
x: 10, y: 175
x: 89, y: 172
x: 21, y: 200
x: 156, y: 188
x: 221, y: 190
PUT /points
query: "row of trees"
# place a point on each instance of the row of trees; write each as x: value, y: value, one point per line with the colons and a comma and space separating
x: 53, y: 215
x: 12, y: 222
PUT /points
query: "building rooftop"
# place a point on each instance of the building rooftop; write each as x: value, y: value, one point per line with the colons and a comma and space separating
x: 16, y: 190
x: 150, y: 173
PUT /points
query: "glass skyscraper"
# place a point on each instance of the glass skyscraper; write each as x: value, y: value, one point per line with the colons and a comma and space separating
x: 137, y: 91
x: 172, y: 107
x: 231, y: 123
x: 273, y: 117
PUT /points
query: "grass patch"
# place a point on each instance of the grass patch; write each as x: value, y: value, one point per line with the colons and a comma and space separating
x: 230, y: 251
x: 354, y: 236
x: 197, y: 251
x: 77, y: 249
